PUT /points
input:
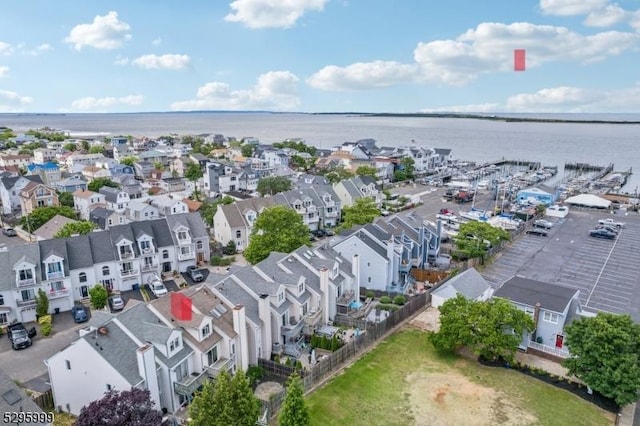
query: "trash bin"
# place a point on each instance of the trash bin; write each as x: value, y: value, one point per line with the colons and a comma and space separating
x: 136, y: 287
x: 56, y: 311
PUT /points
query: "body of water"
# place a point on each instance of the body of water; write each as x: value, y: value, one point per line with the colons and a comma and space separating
x: 552, y: 144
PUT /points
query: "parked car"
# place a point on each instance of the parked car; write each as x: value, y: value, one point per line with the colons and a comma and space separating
x: 541, y: 223
x: 602, y: 233
x: 540, y: 232
x: 20, y: 337
x: 195, y: 273
x: 79, y: 313
x: 329, y: 233
x: 611, y: 222
x: 156, y: 286
x: 319, y: 233
x: 116, y: 303
x: 447, y: 212
x: 608, y: 228
x: 9, y: 232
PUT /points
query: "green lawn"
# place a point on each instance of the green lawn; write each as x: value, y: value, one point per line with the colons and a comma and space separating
x: 403, y: 381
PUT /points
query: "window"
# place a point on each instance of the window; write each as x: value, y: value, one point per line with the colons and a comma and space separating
x: 68, y: 364
x: 550, y: 317
x: 3, y: 318
x: 212, y: 356
x: 108, y: 387
x: 54, y: 267
x: 28, y: 294
x: 56, y: 286
x: 238, y: 234
x: 185, y: 250
x: 199, y: 245
x: 105, y: 270
x: 206, y: 330
x: 182, y: 235
x: 125, y: 251
x: 529, y: 311
x: 172, y: 346
x: 280, y: 296
x: 300, y: 288
x: 25, y: 274
x: 148, y: 261
x: 127, y: 267
x: 1, y: 299
x: 165, y: 254
x: 82, y: 277
x: 145, y: 245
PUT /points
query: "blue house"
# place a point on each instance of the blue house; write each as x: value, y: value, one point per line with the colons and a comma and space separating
x: 536, y: 196
x: 551, y: 307
x: 72, y: 183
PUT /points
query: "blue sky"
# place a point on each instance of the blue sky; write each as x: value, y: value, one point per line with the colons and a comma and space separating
x: 319, y: 55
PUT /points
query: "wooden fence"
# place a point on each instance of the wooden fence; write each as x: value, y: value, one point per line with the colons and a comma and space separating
x: 44, y: 400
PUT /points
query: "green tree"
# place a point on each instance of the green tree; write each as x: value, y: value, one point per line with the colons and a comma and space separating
x: 42, y: 303
x: 277, y: 228
x: 294, y: 411
x: 605, y: 354
x: 193, y: 172
x: 492, y: 329
x: 363, y: 211
x: 247, y: 150
x: 98, y: 295
x: 84, y: 144
x: 158, y: 165
x: 299, y: 146
x: 98, y: 183
x: 129, y: 160
x: 230, y: 248
x: 81, y: 227
x: 336, y: 174
x: 246, y: 408
x: 273, y: 184
x: 201, y: 411
x: 222, y: 403
x: 70, y: 146
x: 42, y: 215
x: 65, y: 198
x: 96, y: 149
x: 475, y: 238
x: 297, y: 162
x: 367, y: 171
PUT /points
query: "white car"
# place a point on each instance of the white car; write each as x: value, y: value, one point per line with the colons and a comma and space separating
x: 157, y: 287
x: 611, y: 222
x: 541, y: 223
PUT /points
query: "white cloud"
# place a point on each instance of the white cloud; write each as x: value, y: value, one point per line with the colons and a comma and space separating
x: 275, y: 90
x: 271, y: 13
x: 105, y: 32
x: 90, y: 103
x: 44, y: 47
x: 157, y: 42
x: 121, y: 60
x: 488, y: 48
x: 571, y: 7
x: 4, y: 71
x: 13, y: 102
x: 363, y: 75
x: 564, y: 99
x: 168, y: 61
x: 5, y: 49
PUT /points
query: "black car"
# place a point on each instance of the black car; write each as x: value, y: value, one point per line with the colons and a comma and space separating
x: 319, y: 233
x: 602, y: 233
x: 540, y: 232
x: 608, y: 228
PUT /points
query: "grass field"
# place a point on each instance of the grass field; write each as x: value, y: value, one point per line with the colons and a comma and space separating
x: 403, y: 381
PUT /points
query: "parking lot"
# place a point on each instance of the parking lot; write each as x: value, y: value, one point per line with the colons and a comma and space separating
x: 605, y: 271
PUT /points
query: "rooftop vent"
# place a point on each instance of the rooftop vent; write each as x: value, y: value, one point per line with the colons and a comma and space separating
x: 221, y: 308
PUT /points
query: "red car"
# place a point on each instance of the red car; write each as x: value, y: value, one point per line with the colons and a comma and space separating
x: 447, y: 212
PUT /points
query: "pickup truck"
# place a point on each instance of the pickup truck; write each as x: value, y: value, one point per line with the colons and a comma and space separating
x: 20, y: 337
x: 611, y: 222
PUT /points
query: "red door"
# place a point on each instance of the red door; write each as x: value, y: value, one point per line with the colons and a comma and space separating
x: 559, y: 340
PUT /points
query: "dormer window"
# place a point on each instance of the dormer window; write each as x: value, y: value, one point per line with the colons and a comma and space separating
x: 206, y: 330
x: 183, y: 235
x: 145, y: 246
x: 281, y: 296
x: 300, y: 288
x: 125, y: 251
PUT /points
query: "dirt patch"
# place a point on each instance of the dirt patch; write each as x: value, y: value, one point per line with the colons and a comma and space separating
x: 429, y: 319
x: 265, y: 390
x: 451, y: 399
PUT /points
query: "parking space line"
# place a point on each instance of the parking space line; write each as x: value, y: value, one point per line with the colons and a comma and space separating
x: 603, y: 268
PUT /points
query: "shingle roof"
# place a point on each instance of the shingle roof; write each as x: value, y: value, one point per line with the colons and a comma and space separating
x: 552, y: 297
x: 469, y: 283
x: 14, y: 399
x: 56, y: 247
x: 236, y: 295
x: 24, y: 252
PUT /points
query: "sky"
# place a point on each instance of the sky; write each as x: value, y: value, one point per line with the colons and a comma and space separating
x: 396, y: 56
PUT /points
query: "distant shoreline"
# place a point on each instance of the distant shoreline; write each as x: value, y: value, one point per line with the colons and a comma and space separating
x: 496, y: 118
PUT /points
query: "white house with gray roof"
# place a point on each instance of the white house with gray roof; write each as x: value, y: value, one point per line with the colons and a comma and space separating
x: 350, y: 190
x: 468, y: 283
x: 10, y: 188
x: 115, y: 198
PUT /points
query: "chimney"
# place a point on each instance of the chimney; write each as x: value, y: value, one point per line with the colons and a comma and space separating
x: 147, y: 370
x: 355, y: 270
x: 264, y: 312
x: 536, y: 316
x: 326, y: 295
x: 393, y: 271
x: 240, y: 327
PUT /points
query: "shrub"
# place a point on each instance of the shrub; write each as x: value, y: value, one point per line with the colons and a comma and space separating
x: 98, y: 295
x: 42, y: 303
x: 388, y: 307
x: 276, y: 359
x: 254, y: 373
x: 288, y: 362
x: 222, y: 261
x: 385, y: 300
x: 399, y: 300
x: 370, y: 294
x: 299, y: 365
x: 45, y: 324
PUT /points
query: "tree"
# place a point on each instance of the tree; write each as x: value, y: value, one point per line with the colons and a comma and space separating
x: 158, y: 165
x: 201, y: 410
x: 605, y: 354
x: 273, y: 184
x: 42, y: 215
x: 96, y: 149
x: 84, y: 144
x: 230, y: 248
x: 247, y: 150
x: 367, y: 171
x: 70, y: 146
x: 336, y: 174
x: 294, y: 410
x: 246, y: 408
x: 405, y: 170
x: 277, y: 228
x: 475, y: 238
x: 98, y: 295
x: 65, y: 198
x: 298, y: 162
x: 492, y: 329
x: 42, y: 303
x: 363, y: 211
x: 81, y: 227
x: 98, y: 183
x: 133, y: 407
x: 193, y: 172
x: 222, y: 404
x: 128, y: 160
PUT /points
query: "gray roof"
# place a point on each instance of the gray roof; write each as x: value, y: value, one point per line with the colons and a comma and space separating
x: 552, y: 297
x: 24, y: 252
x: 469, y: 283
x: 101, y: 249
x: 80, y: 252
x: 57, y: 247
x: 256, y: 283
x: 110, y: 194
x: 14, y: 399
x: 193, y: 221
x: 236, y: 295
x: 9, y: 181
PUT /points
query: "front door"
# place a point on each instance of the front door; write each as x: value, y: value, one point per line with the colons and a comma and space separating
x: 84, y: 291
x: 166, y: 267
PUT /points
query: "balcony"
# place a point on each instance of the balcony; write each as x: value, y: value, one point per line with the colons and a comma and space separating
x: 126, y: 255
x: 28, y: 282
x: 294, y: 328
x: 312, y: 318
x: 54, y: 275
x: 404, y: 266
x: 190, y: 384
x: 147, y: 268
x: 128, y: 272
x: 26, y: 303
x: 58, y: 293
x: 147, y: 250
x: 186, y: 256
x: 223, y: 364
x: 346, y: 298
x: 333, y: 213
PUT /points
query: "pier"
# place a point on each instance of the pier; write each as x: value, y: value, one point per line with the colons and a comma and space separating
x: 584, y: 167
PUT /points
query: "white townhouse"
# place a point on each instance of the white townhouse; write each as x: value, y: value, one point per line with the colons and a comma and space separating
x: 84, y: 201
x: 167, y: 205
x: 78, y: 161
x: 139, y: 210
x: 10, y: 189
x: 115, y: 198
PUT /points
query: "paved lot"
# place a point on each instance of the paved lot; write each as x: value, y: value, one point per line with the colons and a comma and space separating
x: 605, y: 271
